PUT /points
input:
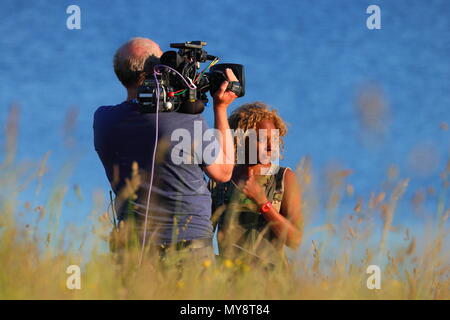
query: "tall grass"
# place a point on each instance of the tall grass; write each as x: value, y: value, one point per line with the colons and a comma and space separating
x: 35, y: 250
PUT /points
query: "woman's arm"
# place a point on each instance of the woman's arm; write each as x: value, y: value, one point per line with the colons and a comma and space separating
x: 287, y: 224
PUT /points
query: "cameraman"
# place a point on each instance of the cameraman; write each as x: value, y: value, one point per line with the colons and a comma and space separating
x: 180, y: 205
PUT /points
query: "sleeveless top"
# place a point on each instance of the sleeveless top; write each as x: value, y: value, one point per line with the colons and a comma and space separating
x: 242, y: 231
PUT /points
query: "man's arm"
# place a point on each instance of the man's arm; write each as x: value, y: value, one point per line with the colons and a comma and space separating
x: 222, y: 168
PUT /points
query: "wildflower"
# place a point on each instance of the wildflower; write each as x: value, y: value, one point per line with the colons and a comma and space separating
x: 228, y: 263
x: 207, y: 263
x: 180, y: 284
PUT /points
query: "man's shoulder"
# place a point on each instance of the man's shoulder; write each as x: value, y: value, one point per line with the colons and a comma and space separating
x: 105, y: 119
x: 102, y: 110
x: 109, y: 113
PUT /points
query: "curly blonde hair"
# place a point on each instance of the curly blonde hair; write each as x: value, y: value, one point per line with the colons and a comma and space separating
x: 249, y: 115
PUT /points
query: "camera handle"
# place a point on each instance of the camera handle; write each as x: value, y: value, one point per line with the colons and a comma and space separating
x: 235, y: 87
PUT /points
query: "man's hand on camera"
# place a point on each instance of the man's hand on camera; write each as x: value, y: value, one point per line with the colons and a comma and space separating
x: 223, y: 98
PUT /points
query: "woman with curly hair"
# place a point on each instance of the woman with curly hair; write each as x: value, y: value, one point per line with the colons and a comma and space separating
x: 258, y: 211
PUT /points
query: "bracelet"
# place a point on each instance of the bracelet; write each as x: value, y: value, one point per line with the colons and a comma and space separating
x: 265, y: 207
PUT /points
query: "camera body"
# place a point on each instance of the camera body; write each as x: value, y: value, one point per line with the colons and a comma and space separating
x: 176, y: 85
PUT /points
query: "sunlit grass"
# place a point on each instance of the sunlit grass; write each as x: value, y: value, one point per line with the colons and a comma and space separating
x: 331, y: 263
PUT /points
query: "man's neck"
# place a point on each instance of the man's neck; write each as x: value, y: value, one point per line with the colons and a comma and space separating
x: 131, y: 93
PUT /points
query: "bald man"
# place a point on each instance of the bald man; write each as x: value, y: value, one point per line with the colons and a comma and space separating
x: 180, y: 204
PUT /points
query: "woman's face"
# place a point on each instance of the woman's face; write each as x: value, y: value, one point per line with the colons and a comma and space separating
x: 266, y: 143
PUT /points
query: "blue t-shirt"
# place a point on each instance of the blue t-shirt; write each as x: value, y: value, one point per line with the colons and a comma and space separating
x: 180, y: 206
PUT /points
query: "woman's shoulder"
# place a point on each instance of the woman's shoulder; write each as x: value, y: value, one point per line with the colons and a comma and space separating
x: 283, y: 178
x: 278, y: 171
x: 290, y: 181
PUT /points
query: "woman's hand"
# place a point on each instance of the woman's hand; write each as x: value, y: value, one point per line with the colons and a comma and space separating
x: 254, y: 190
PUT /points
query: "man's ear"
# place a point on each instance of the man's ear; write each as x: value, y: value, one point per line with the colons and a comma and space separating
x: 141, y: 77
x: 150, y: 63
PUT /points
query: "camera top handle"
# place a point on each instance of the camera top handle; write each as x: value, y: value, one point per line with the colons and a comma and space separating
x: 189, y: 45
x: 193, y: 49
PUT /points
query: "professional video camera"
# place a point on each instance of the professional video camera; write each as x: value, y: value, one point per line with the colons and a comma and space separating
x: 177, y: 85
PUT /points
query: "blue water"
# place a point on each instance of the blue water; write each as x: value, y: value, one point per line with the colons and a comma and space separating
x: 309, y: 59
